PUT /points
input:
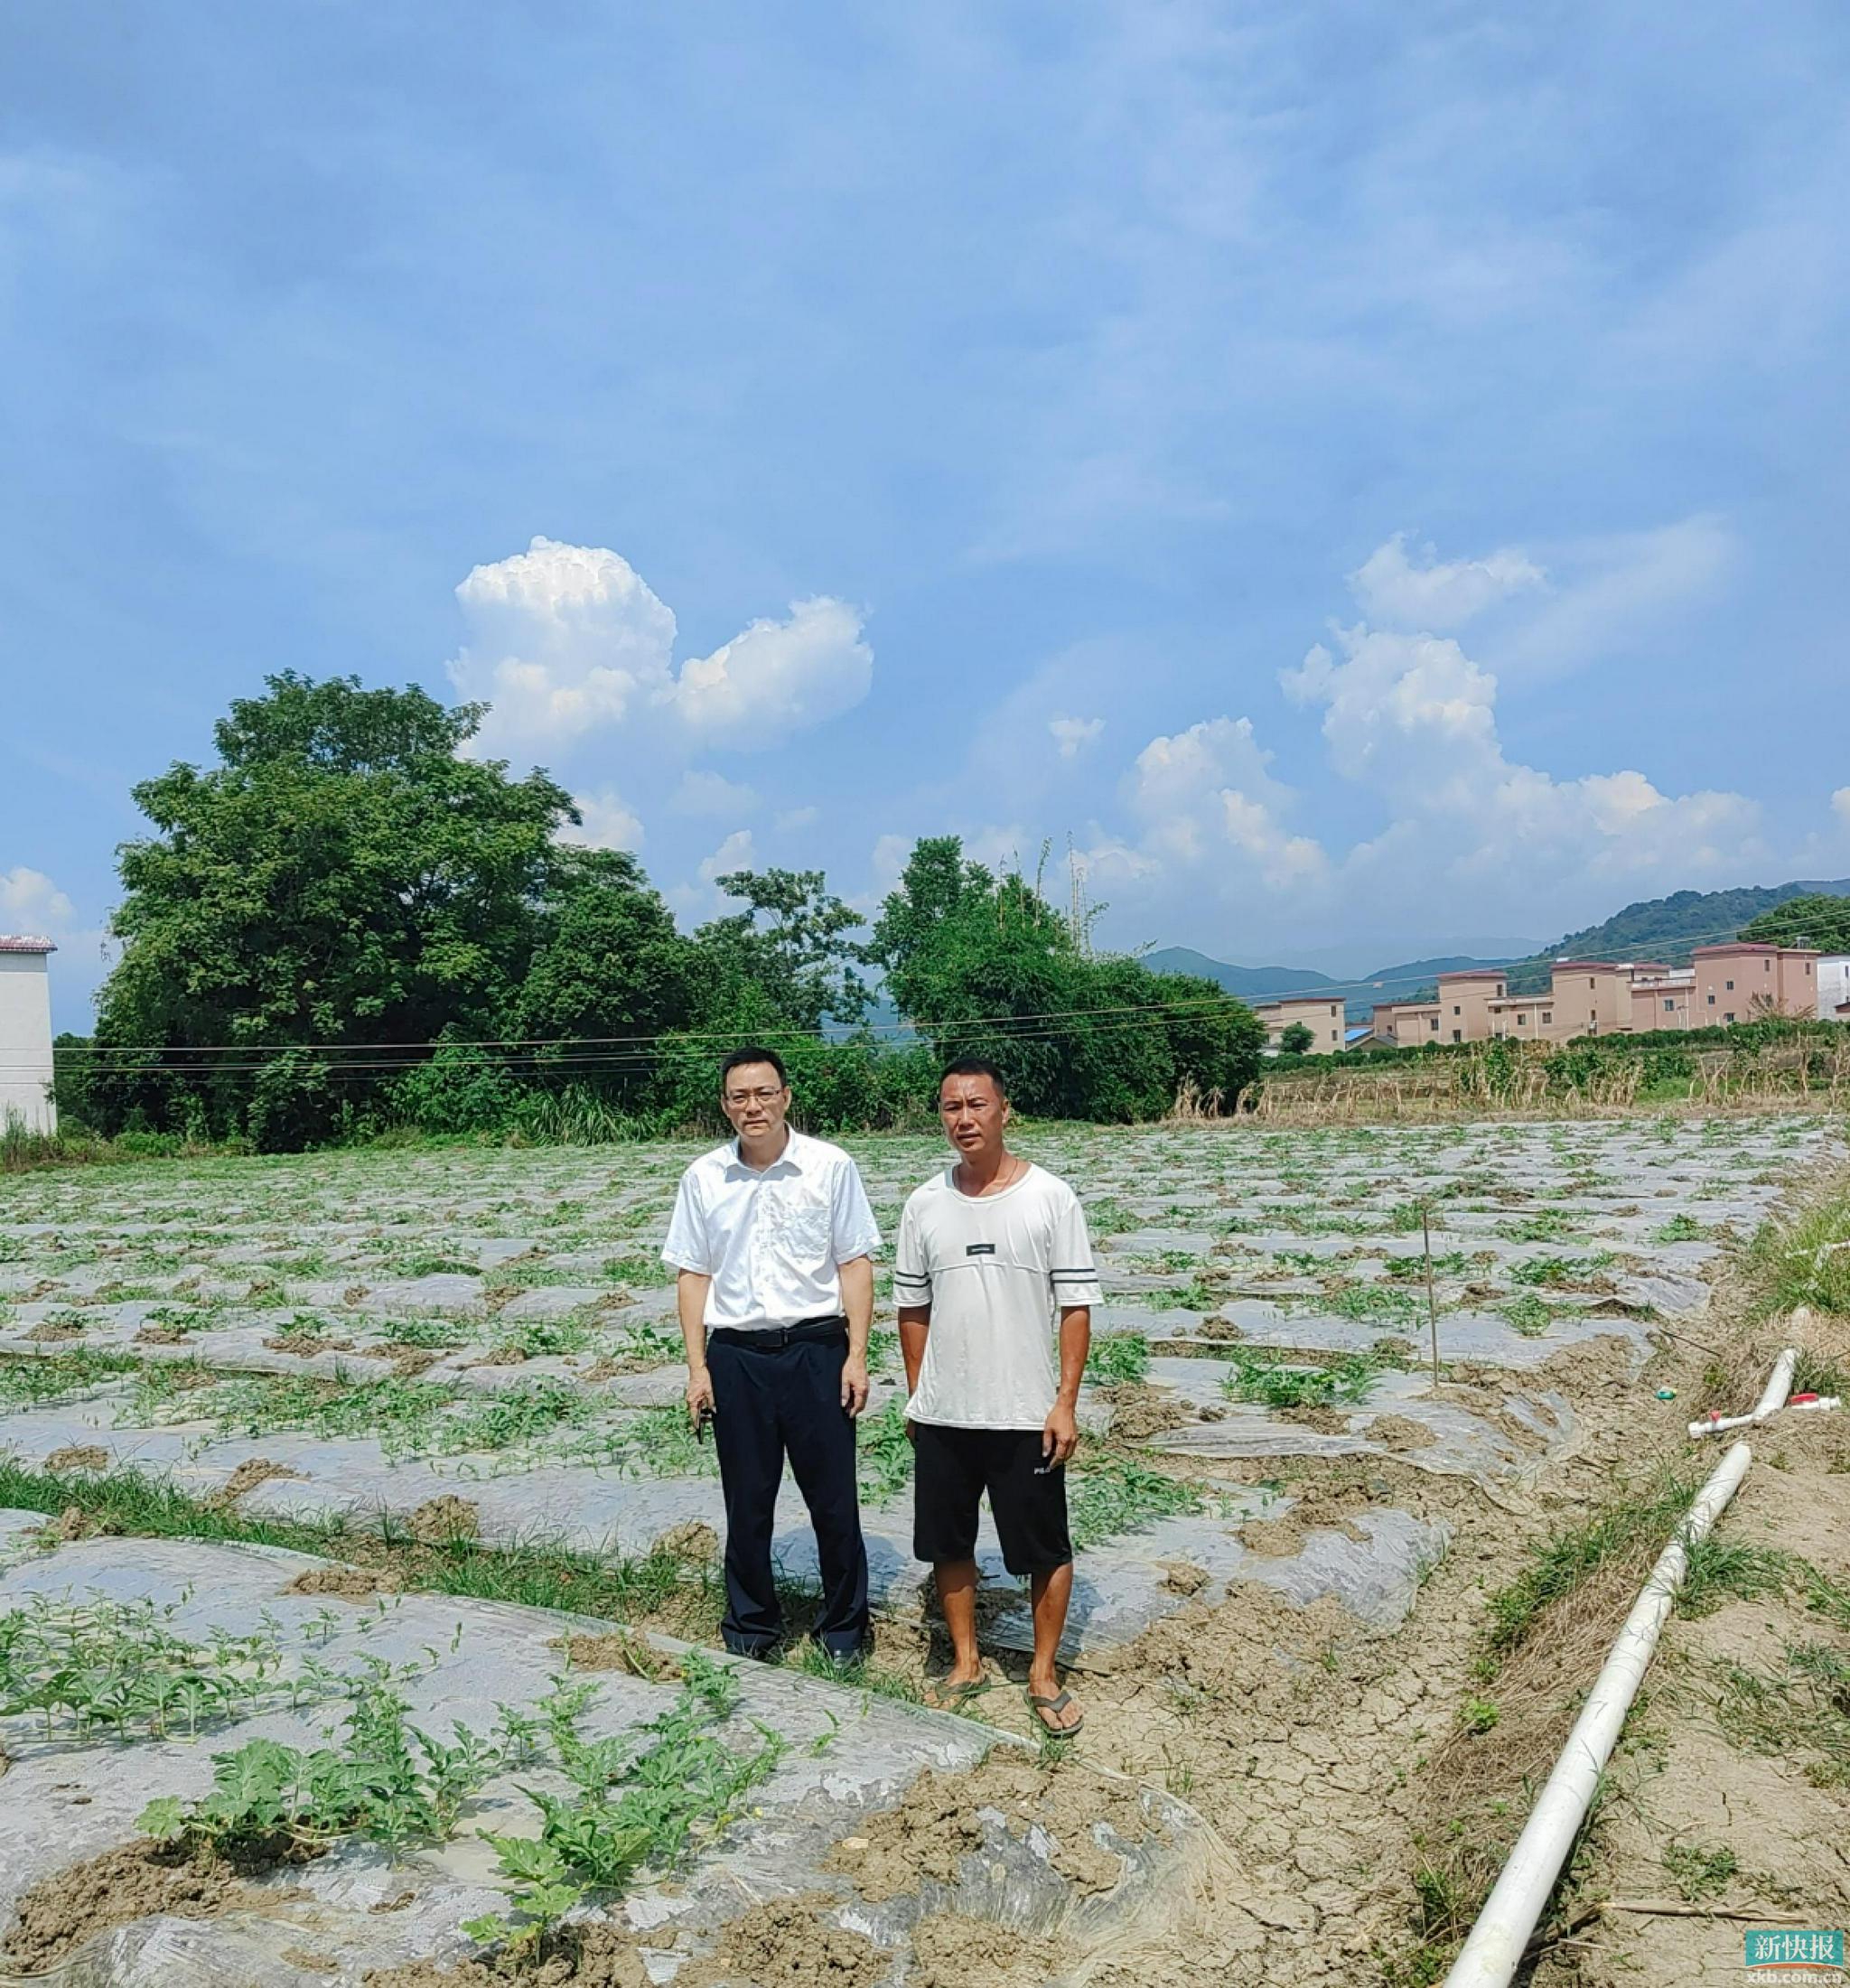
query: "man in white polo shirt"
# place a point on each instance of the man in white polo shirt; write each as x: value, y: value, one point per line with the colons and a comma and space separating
x: 774, y: 1240
x: 990, y: 1251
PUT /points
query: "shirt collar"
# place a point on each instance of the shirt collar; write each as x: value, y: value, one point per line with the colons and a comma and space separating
x: 790, y: 1159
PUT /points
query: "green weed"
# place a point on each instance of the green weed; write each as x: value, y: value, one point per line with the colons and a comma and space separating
x: 28, y: 1380
x: 1262, y: 1377
x: 1557, y: 1271
x: 1801, y: 1710
x: 1804, y: 1262
x: 861, y: 1673
x: 1528, y: 1314
x: 1722, y: 1570
x: 883, y: 1453
x: 537, y: 1573
x: 1820, y: 1373
x: 1559, y: 1564
x: 1698, y: 1872
x: 1110, y: 1495
x: 1117, y: 1358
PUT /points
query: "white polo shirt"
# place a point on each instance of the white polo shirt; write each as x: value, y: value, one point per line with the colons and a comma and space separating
x: 770, y: 1239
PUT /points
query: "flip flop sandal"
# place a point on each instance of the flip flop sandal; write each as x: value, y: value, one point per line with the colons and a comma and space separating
x: 955, y: 1697
x: 1041, y: 1702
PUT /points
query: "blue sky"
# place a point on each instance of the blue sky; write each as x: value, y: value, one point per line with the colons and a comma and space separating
x: 1373, y: 477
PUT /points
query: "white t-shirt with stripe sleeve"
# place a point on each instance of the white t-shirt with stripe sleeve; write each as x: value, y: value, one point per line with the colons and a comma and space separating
x: 997, y: 1270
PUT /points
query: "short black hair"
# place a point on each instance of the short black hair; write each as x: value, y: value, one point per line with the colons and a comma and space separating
x: 754, y: 1052
x: 974, y: 1065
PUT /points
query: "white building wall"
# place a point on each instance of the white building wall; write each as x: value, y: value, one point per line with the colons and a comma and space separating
x: 26, y: 1040
x: 1833, y: 984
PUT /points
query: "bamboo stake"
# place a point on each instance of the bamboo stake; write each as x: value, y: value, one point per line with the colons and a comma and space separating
x: 1432, y: 1301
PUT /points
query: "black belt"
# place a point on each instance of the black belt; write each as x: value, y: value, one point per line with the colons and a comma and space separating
x: 826, y: 1326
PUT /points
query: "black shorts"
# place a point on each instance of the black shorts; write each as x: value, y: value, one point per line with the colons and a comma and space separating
x: 955, y: 1466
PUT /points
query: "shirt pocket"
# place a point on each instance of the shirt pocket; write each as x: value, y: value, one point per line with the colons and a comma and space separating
x: 802, y: 1230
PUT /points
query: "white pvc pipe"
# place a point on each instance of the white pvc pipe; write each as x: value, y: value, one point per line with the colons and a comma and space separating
x: 1778, y: 1385
x: 1490, y: 1956
x: 1772, y: 1397
x: 1718, y: 1425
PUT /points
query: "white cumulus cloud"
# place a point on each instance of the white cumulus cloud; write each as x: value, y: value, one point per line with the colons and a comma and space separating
x: 1206, y: 794
x: 737, y: 852
x: 566, y: 640
x: 695, y: 902
x: 1073, y: 735
x: 1414, y: 718
x: 1840, y: 805
x: 562, y: 639
x: 777, y: 676
x: 1438, y: 593
x: 32, y: 906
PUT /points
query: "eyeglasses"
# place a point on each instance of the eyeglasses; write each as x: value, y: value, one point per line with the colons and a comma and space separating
x: 754, y: 1096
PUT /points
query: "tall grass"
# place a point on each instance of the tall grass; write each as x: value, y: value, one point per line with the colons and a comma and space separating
x: 23, y: 1150
x: 1805, y: 1260
x: 1775, y: 1067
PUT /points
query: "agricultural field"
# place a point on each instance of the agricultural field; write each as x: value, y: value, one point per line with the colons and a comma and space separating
x: 358, y: 1562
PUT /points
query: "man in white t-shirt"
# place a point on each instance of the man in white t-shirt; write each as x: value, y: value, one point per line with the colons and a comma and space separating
x: 990, y: 1251
x: 772, y: 1243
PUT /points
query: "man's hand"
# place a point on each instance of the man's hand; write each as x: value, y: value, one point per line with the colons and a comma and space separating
x: 1059, y: 1435
x: 700, y: 1394
x: 854, y: 1384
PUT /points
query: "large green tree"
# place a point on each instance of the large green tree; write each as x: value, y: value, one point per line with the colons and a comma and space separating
x: 612, y: 964
x: 784, y: 961
x: 985, y: 965
x: 344, y: 874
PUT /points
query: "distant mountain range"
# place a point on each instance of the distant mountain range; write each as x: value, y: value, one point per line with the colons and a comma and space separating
x: 1666, y: 929
x: 1663, y: 929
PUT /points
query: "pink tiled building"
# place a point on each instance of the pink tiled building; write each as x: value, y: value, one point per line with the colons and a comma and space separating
x: 1738, y: 982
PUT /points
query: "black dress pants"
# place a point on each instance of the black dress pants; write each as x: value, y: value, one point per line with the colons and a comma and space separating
x: 776, y: 1394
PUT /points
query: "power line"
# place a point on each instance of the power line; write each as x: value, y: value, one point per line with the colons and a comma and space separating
x: 611, y: 1061
x: 643, y: 1050
x: 117, y: 1059
x: 128, y: 1051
